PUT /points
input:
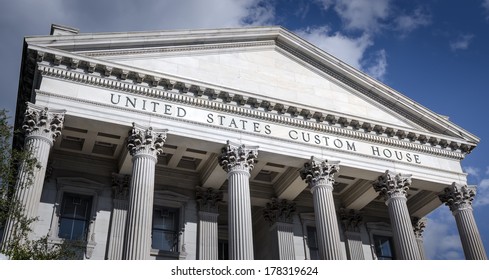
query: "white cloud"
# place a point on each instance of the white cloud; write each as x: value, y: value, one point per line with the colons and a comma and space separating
x: 482, y: 197
x: 349, y: 50
x: 441, y: 238
x: 408, y: 23
x: 378, y: 68
x: 472, y: 171
x: 485, y: 5
x: 363, y: 15
x: 462, y: 42
x: 325, y: 4
x: 487, y: 168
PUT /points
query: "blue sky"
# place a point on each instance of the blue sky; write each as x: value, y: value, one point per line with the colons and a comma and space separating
x: 434, y: 52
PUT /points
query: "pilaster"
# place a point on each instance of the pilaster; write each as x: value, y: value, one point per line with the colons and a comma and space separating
x: 278, y: 213
x: 209, y: 200
x: 144, y: 145
x: 351, y: 221
x: 459, y: 198
x: 394, y: 188
x: 120, y: 204
x: 319, y: 175
x: 238, y: 160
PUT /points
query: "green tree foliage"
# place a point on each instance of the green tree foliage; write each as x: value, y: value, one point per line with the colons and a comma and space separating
x: 19, y: 246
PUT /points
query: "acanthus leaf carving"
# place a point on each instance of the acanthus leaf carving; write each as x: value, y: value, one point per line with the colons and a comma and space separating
x: 146, y: 140
x: 237, y: 157
x: 392, y: 184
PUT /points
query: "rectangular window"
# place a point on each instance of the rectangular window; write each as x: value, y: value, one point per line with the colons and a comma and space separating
x: 312, y: 243
x: 383, y: 247
x: 165, y: 229
x: 74, y: 216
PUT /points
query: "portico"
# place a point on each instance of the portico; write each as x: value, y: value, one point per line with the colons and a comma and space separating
x: 222, y: 166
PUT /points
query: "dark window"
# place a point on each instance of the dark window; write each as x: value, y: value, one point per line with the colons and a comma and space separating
x: 223, y: 250
x: 74, y: 216
x: 312, y: 243
x: 383, y: 247
x: 165, y: 229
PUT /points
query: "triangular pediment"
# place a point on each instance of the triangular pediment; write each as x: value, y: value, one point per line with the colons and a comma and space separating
x: 266, y: 63
x: 269, y: 73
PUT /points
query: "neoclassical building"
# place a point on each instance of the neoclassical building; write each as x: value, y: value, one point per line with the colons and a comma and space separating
x: 246, y: 143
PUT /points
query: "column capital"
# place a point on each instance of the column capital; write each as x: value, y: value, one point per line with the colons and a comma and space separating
x: 42, y: 121
x: 235, y: 157
x: 208, y: 199
x: 120, y: 186
x: 458, y: 197
x: 419, y: 225
x: 279, y: 211
x: 351, y: 219
x: 144, y: 140
x: 319, y: 172
x: 392, y: 185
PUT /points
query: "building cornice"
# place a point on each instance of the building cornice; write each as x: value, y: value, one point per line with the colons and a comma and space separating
x: 238, y: 103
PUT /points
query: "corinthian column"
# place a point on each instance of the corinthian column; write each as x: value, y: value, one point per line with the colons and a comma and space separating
x: 320, y: 177
x: 144, y: 145
x: 208, y: 200
x: 120, y: 195
x: 459, y: 199
x: 41, y: 127
x: 418, y: 228
x: 278, y: 213
x: 394, y: 188
x: 237, y: 160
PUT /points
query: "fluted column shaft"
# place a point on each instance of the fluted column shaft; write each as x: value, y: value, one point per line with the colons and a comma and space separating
x: 284, y: 233
x: 237, y: 161
x: 402, y: 229
x: 144, y: 146
x: 469, y: 235
x: 117, y: 229
x: 320, y: 177
x: 29, y: 195
x: 354, y: 245
x: 326, y: 222
x: 239, y: 213
x: 41, y: 127
x: 208, y: 236
x: 459, y: 199
x: 140, y: 211
x: 394, y: 189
